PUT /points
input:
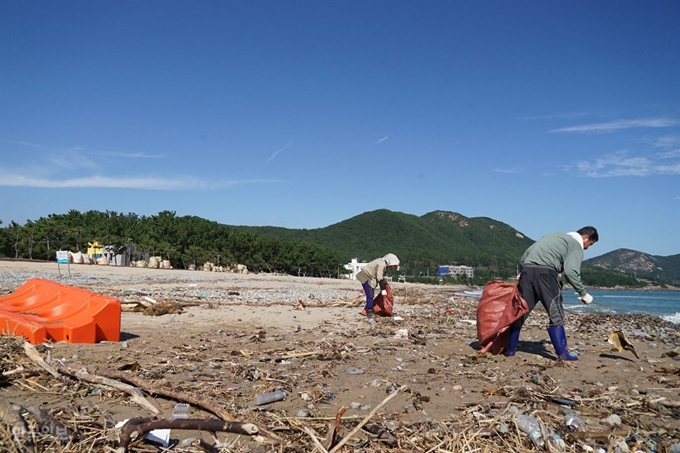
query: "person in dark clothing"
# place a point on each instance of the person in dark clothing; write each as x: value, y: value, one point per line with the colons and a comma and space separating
x: 549, y: 258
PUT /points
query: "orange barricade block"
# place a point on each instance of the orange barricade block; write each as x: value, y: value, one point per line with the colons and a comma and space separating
x: 42, y: 310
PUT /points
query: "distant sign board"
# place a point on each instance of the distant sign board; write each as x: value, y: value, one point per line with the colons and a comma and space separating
x: 62, y: 256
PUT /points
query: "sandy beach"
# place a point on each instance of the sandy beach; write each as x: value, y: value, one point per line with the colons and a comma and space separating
x: 239, y: 335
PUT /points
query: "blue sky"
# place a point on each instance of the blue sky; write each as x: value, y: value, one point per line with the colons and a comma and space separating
x: 545, y: 115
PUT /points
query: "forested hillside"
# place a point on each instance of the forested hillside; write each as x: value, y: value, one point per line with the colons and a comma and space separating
x: 422, y: 243
x: 493, y: 248
x: 640, y: 265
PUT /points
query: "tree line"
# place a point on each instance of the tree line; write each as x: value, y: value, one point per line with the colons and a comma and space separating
x: 183, y: 241
x: 190, y: 240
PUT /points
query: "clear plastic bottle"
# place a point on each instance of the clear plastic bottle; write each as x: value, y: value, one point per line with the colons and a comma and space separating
x: 269, y: 397
x: 556, y: 440
x: 572, y: 420
x: 180, y: 411
x: 528, y: 425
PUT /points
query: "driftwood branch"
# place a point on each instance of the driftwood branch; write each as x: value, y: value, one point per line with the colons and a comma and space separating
x: 365, y: 420
x: 138, y: 427
x: 36, y: 358
x: 383, y: 435
x: 334, y: 430
x: 208, y: 405
x: 316, y: 442
x: 136, y: 394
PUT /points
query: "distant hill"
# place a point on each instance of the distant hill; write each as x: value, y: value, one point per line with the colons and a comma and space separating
x: 639, y: 264
x: 422, y: 243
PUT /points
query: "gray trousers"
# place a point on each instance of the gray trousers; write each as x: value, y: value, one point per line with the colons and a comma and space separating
x: 542, y: 283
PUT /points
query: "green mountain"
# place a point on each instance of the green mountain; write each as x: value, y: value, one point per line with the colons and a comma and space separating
x: 422, y: 243
x: 639, y: 265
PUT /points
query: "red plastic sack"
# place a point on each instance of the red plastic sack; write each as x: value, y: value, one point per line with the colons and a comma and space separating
x: 499, y: 306
x: 383, y: 306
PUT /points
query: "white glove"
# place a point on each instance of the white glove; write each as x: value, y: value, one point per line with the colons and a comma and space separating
x: 384, y: 292
x: 587, y: 299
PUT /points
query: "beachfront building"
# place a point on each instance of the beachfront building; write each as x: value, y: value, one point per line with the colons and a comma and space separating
x: 455, y: 271
x: 354, y: 267
x: 118, y: 259
x: 94, y: 250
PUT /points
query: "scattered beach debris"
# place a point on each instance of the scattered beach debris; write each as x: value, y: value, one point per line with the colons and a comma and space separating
x: 619, y: 340
x: 440, y: 395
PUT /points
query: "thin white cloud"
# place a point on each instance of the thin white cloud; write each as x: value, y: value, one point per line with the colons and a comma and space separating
x: 505, y: 170
x: 668, y: 145
x: 105, y: 182
x: 81, y: 150
x: 127, y: 155
x: 278, y: 151
x: 383, y: 139
x: 669, y: 154
x: 620, y: 164
x: 567, y: 115
x: 667, y: 141
x: 71, y: 160
x: 618, y: 125
x: 673, y: 169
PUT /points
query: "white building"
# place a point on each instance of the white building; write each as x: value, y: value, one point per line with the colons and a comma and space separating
x: 354, y: 267
x: 455, y: 271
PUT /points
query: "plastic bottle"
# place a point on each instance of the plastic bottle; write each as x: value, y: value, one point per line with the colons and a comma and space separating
x: 528, y: 425
x: 269, y: 397
x: 573, y: 420
x: 556, y: 440
x: 181, y: 410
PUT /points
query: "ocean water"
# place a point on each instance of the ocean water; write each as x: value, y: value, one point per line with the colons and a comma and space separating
x: 665, y: 304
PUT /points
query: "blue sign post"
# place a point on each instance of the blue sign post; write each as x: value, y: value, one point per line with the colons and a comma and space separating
x: 62, y: 258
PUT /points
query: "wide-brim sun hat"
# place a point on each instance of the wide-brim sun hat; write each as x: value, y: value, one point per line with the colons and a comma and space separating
x: 391, y: 259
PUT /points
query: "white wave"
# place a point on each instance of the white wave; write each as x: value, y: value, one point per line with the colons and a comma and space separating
x: 675, y: 319
x: 617, y: 296
x: 589, y: 309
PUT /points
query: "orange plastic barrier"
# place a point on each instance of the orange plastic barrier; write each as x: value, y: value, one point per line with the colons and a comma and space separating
x: 41, y: 310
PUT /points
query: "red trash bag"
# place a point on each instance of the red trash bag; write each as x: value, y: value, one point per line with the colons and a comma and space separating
x: 499, y: 306
x: 382, y: 306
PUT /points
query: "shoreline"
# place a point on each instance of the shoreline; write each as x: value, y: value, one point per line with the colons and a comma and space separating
x: 106, y: 268
x: 86, y: 276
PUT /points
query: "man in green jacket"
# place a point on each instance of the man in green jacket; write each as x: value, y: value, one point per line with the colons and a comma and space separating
x: 373, y: 276
x: 553, y: 255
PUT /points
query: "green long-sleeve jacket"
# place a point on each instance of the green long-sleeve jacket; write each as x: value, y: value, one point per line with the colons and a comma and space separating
x: 561, y: 252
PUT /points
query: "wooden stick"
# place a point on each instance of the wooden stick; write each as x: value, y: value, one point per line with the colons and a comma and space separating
x: 291, y: 355
x: 317, y: 444
x: 598, y: 435
x: 136, y: 394
x: 138, y: 427
x: 365, y: 420
x: 209, y: 405
x: 36, y: 358
x: 18, y: 369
